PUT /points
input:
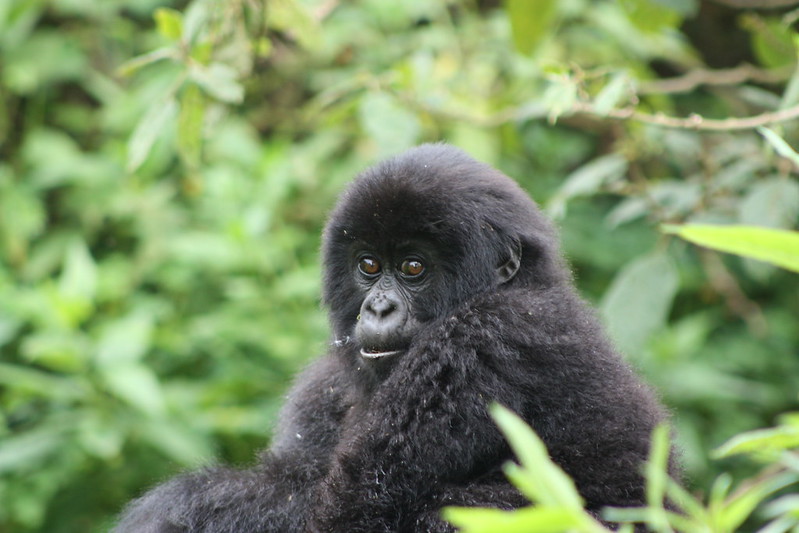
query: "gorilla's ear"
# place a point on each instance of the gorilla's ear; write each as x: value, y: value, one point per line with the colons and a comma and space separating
x: 507, y: 270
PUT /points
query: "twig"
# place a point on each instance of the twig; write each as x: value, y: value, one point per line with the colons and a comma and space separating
x: 694, y: 78
x: 693, y: 122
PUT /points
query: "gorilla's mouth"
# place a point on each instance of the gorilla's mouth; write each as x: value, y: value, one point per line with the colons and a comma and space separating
x: 378, y: 353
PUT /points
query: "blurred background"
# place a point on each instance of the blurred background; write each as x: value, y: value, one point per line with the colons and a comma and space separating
x: 166, y: 168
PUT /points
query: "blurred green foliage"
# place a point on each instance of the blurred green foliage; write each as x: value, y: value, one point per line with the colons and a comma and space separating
x: 165, y: 169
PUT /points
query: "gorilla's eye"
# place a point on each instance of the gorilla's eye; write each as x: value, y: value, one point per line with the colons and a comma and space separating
x: 411, y: 268
x: 369, y: 266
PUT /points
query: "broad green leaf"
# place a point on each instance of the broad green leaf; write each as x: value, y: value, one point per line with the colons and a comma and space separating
x: 779, y: 144
x: 388, y: 123
x: 779, y: 247
x: 587, y: 180
x: 190, y: 125
x: 99, y: 435
x: 79, y: 275
x: 46, y: 57
x: 553, y: 485
x: 147, y: 131
x: 772, y: 41
x: 125, y: 340
x: 639, y: 299
x: 651, y: 15
x: 135, y: 384
x: 178, y: 442
x: 19, y: 452
x: 538, y: 519
x: 169, y: 22
x: 531, y: 22
x: 40, y: 383
x: 612, y: 93
x: 61, y: 350
x: 218, y: 80
x: 761, y: 441
x: 559, y: 97
x: 195, y: 20
x: 293, y: 17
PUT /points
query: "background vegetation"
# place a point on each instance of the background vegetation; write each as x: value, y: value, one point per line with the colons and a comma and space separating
x: 166, y: 166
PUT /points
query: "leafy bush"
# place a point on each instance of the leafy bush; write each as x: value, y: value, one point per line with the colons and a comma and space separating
x: 165, y: 168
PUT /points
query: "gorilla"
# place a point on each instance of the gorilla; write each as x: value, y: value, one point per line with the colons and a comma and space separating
x: 446, y: 292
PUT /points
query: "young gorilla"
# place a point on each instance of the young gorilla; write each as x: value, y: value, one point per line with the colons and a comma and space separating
x: 446, y: 292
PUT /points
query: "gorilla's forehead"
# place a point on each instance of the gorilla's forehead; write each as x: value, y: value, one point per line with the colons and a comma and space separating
x: 434, y: 192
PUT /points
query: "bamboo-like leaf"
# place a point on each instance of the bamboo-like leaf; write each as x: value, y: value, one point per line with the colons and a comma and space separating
x: 539, y: 519
x: 147, y: 131
x: 555, y: 487
x: 779, y: 144
x: 779, y: 247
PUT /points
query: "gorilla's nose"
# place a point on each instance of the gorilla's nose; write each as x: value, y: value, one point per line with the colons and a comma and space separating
x: 381, y: 307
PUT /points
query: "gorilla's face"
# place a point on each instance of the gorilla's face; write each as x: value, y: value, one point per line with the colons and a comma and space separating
x: 392, y: 283
x: 418, y: 236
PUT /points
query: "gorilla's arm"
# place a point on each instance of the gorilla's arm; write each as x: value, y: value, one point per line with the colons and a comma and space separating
x: 426, y: 430
x: 427, y: 439
x: 272, y: 497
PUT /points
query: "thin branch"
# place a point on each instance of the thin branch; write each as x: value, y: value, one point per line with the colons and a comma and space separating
x: 693, y: 122
x: 695, y: 78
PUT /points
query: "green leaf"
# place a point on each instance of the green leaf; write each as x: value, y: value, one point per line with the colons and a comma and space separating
x: 538, y: 519
x: 130, y: 67
x: 779, y: 247
x: 612, y: 93
x: 195, y: 20
x: 657, y: 466
x: 135, y: 384
x: 20, y: 452
x: 190, y: 125
x: 531, y: 22
x: 586, y: 180
x: 552, y: 485
x: 388, y: 123
x: 169, y: 22
x: 79, y: 275
x: 779, y: 144
x: 639, y: 299
x: 147, y: 131
x: 651, y: 15
x: 218, y: 80
x: 125, y: 340
x: 772, y: 41
x: 178, y: 442
x: 293, y: 18
x: 559, y: 97
x: 760, y: 441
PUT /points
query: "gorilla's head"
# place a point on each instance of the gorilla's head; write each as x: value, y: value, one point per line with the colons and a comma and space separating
x: 417, y: 235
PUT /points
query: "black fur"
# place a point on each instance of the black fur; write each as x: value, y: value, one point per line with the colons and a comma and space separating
x: 361, y: 451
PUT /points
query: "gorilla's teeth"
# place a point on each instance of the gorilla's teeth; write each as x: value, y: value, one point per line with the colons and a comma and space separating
x: 377, y: 355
